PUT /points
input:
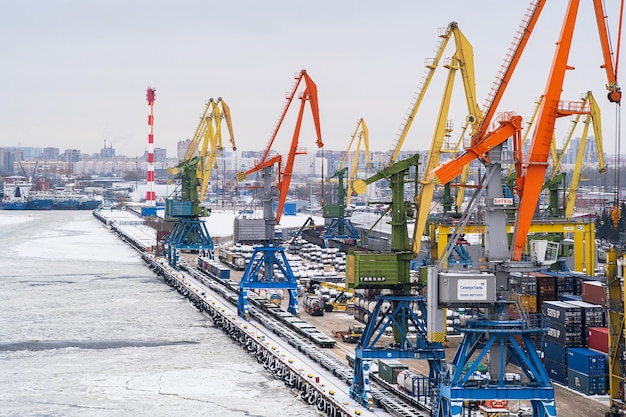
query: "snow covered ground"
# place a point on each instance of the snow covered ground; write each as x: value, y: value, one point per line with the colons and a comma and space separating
x: 88, y: 330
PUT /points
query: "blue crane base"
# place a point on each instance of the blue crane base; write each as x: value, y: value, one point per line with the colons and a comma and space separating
x: 260, y: 274
x: 188, y: 234
x: 340, y: 229
x: 409, y: 342
x: 500, y: 338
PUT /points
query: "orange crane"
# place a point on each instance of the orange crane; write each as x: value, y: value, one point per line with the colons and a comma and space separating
x: 531, y: 173
x: 266, y: 259
x: 284, y: 174
x: 531, y: 176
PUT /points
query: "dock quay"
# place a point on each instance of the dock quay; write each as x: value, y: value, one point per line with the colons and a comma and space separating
x: 273, y: 336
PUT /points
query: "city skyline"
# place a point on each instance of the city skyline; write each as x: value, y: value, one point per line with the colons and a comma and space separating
x: 79, y: 71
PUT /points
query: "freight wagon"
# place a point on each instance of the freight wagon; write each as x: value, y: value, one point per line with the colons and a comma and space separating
x: 234, y: 260
x: 213, y: 268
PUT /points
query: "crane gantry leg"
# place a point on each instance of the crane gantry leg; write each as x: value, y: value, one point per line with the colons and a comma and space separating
x: 498, y: 338
x: 188, y: 234
x: 410, y: 342
x: 260, y: 274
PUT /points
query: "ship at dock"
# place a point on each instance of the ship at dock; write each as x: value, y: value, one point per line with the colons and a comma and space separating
x: 19, y: 194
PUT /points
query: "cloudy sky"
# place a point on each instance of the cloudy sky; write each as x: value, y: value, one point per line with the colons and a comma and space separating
x: 74, y: 72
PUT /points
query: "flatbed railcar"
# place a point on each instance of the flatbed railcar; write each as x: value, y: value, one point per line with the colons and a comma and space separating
x: 231, y: 293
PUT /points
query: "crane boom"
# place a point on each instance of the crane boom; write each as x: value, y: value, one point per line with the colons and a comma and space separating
x: 615, y: 93
x: 361, y: 131
x: 284, y: 175
x: 463, y: 60
x: 531, y: 176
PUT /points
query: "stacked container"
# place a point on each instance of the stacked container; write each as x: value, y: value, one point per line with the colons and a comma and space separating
x: 563, y: 322
x: 592, y: 316
x: 594, y: 292
x: 532, y: 289
x: 587, y: 371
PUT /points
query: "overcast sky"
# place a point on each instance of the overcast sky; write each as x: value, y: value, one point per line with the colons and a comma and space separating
x: 74, y: 72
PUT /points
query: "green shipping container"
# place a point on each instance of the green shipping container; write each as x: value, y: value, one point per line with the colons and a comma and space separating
x: 388, y: 370
x: 371, y: 270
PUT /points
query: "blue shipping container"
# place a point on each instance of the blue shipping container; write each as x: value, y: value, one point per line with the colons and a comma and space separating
x: 556, y: 371
x: 570, y: 297
x: 588, y: 385
x: 587, y: 361
x: 290, y: 209
x: 554, y: 351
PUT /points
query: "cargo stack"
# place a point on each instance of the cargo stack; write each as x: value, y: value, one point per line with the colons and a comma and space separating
x: 564, y: 282
x: 592, y: 316
x: 563, y: 322
x: 587, y: 371
x: 594, y: 292
x: 531, y: 290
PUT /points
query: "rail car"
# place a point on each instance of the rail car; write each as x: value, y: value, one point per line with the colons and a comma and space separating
x: 234, y: 260
x: 229, y: 289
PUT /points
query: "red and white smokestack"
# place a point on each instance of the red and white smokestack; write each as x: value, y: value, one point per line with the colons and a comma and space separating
x: 150, y: 193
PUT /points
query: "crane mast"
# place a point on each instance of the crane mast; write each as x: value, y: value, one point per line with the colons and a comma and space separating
x: 259, y: 273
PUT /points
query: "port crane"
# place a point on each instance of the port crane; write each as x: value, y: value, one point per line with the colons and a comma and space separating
x: 403, y: 308
x: 340, y: 227
x: 184, y: 206
x: 268, y: 267
x: 493, y: 332
x: 591, y: 113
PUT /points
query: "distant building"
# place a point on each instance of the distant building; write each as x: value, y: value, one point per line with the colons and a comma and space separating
x: 160, y: 154
x: 50, y: 154
x: 8, y: 157
x: 107, y: 153
x: 181, y: 149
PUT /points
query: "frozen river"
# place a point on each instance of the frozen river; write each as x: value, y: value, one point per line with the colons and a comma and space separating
x: 87, y: 330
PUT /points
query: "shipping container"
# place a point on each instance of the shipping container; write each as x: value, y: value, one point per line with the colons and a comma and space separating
x: 413, y: 383
x: 559, y: 313
x: 594, y: 292
x: 556, y: 371
x: 565, y: 336
x: 570, y: 297
x: 598, y: 339
x: 588, y: 385
x: 587, y: 361
x: 592, y: 314
x: 554, y: 351
x: 527, y: 302
x: 388, y: 370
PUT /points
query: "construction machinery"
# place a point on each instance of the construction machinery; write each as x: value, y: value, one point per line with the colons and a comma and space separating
x: 184, y: 206
x: 268, y: 267
x: 352, y: 335
x: 361, y: 133
x: 336, y: 297
x: 339, y: 227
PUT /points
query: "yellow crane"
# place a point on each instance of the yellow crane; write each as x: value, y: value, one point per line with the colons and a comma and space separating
x: 361, y: 132
x: 592, y: 115
x: 463, y: 61
x: 184, y: 206
x: 207, y: 142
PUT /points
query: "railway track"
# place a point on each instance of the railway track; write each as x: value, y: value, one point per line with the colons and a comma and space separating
x: 301, y: 335
x: 291, y: 328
